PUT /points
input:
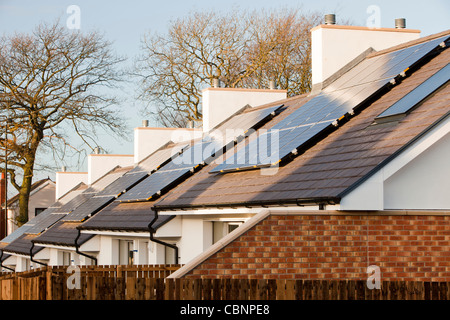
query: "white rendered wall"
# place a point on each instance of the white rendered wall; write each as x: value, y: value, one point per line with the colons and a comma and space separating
x: 197, y: 237
x: 65, y: 181
x: 218, y: 104
x: 333, y: 46
x: 42, y: 198
x: 424, y: 183
x: 100, y: 164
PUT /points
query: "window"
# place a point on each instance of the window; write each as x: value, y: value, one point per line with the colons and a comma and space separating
x: 222, y: 228
x: 126, y: 252
x: 66, y: 258
x: 38, y: 211
x: 169, y: 255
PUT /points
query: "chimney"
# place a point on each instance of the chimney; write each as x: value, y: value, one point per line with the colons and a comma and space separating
x: 218, y: 104
x: 333, y: 46
x: 100, y: 164
x: 147, y: 139
x: 65, y: 181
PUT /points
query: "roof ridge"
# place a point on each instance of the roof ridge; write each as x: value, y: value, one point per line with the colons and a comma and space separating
x: 409, y: 43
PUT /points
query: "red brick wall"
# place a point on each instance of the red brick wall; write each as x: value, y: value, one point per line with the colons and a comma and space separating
x: 336, y: 247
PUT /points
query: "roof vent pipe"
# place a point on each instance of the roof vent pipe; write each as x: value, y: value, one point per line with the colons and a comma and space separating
x: 216, y: 83
x: 272, y: 85
x: 63, y: 169
x: 330, y: 19
x: 145, y: 123
x: 400, y: 23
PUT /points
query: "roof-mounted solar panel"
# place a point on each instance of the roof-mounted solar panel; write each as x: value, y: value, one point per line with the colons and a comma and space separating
x: 44, y: 222
x: 88, y: 208
x: 416, y: 96
x: 322, y: 113
x: 196, y: 155
x: 123, y: 184
x: 200, y: 153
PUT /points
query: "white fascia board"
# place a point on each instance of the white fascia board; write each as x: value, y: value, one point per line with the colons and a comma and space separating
x: 54, y: 246
x: 369, y: 194
x: 117, y: 233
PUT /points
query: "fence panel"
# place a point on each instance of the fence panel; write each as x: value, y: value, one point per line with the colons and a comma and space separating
x: 149, y: 283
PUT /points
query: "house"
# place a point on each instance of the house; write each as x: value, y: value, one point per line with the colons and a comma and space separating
x: 317, y: 186
x: 373, y: 191
x: 42, y: 195
x: 16, y: 248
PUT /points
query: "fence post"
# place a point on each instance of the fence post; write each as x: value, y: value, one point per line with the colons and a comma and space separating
x: 49, y: 288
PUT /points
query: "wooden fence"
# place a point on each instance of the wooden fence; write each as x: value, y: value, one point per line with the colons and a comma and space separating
x: 150, y: 283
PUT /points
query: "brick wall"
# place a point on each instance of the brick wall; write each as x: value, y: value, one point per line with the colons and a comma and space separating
x: 336, y: 247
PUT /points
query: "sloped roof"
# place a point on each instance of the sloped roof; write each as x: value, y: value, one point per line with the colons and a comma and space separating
x: 62, y: 233
x: 34, y: 186
x: 334, y: 164
x: 20, y: 241
x: 126, y: 217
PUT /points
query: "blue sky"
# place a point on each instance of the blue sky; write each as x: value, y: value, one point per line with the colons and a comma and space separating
x: 125, y: 22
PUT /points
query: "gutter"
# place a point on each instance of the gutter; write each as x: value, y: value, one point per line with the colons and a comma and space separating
x: 31, y: 255
x: 153, y: 239
x: 77, y: 249
x: 261, y: 203
x: 1, y: 263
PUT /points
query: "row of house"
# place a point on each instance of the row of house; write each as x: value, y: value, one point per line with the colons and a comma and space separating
x: 322, y: 185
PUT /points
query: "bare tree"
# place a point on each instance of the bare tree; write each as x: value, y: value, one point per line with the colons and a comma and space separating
x: 242, y: 49
x: 50, y: 83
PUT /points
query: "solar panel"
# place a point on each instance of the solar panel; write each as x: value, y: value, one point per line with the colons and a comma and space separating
x: 201, y: 152
x: 122, y: 184
x: 411, y: 99
x: 170, y: 173
x: 153, y: 185
x: 386, y: 66
x: 88, y: 208
x: 321, y: 113
x: 44, y: 222
x: 75, y: 202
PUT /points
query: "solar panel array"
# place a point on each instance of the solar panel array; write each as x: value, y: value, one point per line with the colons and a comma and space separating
x: 44, y: 221
x: 317, y: 116
x: 413, y: 98
x: 75, y: 202
x: 199, y: 153
x: 88, y: 208
x: 172, y: 172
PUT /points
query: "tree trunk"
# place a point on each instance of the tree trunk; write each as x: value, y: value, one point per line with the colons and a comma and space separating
x: 24, y: 193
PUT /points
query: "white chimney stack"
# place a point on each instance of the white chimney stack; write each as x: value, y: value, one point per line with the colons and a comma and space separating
x: 100, y: 164
x: 65, y: 181
x: 147, y: 139
x: 333, y: 46
x: 219, y: 104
